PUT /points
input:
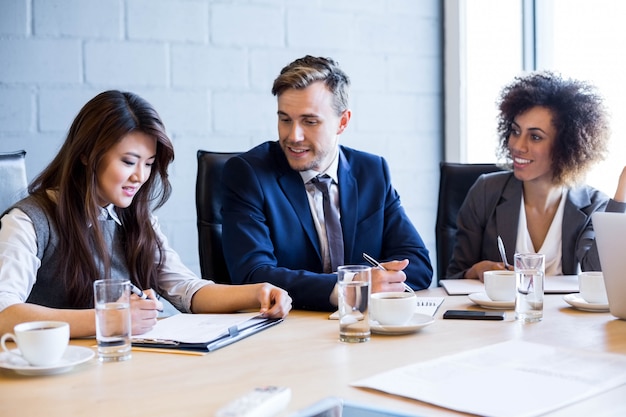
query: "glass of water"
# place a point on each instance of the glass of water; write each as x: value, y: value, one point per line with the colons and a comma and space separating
x: 530, y: 276
x: 354, y: 283
x: 113, y: 328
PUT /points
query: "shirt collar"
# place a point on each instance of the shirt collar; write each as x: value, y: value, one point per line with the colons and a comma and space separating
x: 331, y: 171
x: 109, y: 212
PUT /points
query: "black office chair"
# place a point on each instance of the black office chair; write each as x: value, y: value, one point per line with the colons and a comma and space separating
x: 13, y: 183
x: 208, y: 206
x: 454, y: 182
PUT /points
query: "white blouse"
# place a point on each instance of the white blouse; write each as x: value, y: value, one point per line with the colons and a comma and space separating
x: 552, y: 246
x: 19, y: 263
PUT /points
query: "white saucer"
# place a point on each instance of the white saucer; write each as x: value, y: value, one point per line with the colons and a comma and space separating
x: 417, y: 322
x: 576, y: 301
x: 482, y: 300
x: 74, y: 355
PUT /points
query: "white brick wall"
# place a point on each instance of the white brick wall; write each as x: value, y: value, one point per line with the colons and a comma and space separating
x: 208, y: 65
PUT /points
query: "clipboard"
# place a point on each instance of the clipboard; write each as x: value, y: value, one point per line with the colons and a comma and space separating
x: 216, y: 338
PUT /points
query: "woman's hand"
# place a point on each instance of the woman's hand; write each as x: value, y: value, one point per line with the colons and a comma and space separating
x: 478, y: 269
x: 620, y: 193
x: 143, y: 313
x: 275, y: 302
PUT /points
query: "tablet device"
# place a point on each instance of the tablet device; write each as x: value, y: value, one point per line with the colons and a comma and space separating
x: 337, y: 407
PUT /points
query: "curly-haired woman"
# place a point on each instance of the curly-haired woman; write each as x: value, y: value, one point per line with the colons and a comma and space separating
x: 551, y: 131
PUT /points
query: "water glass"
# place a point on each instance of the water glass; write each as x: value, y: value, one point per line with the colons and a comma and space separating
x: 354, y: 282
x: 113, y: 327
x: 529, y: 276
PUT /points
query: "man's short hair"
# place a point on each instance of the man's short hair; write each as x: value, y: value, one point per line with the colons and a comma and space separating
x: 307, y: 70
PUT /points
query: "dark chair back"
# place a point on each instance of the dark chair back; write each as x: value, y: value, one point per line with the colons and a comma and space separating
x: 455, y: 180
x: 13, y: 183
x: 208, y: 207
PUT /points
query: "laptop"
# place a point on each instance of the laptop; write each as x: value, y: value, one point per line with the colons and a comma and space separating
x: 610, y: 229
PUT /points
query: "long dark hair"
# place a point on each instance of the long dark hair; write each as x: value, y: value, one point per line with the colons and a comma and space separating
x: 73, y: 204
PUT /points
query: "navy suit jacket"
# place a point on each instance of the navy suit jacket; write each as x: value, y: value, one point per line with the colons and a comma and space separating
x: 269, y: 234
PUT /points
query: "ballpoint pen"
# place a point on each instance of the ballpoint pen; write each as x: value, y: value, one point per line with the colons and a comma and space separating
x: 377, y: 264
x: 137, y: 291
x: 503, y: 253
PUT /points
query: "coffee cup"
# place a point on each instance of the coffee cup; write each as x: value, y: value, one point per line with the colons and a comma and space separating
x: 500, y: 285
x: 40, y: 343
x: 591, y: 286
x: 393, y: 308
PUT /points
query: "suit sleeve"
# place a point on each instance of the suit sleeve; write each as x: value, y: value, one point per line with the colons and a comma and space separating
x: 400, y: 239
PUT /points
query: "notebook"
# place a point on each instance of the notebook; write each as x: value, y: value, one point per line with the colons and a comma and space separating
x: 610, y: 231
x: 554, y: 284
x: 201, y: 333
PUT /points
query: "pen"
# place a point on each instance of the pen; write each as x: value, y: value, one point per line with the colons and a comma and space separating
x: 502, y: 252
x: 136, y: 290
x: 377, y: 264
x: 373, y: 261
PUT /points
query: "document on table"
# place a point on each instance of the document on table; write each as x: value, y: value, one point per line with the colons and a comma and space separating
x: 509, y: 379
x: 554, y: 284
x: 202, y: 332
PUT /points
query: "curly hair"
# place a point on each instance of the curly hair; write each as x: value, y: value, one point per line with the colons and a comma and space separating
x: 578, y: 115
x: 305, y: 71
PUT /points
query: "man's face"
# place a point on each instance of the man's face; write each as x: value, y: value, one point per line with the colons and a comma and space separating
x: 309, y: 127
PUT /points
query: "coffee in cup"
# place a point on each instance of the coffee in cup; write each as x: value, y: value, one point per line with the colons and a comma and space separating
x: 500, y: 285
x: 392, y: 308
x: 591, y: 286
x: 40, y: 343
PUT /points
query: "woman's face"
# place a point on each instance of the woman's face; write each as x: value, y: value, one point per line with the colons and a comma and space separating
x: 125, y: 168
x: 531, y: 142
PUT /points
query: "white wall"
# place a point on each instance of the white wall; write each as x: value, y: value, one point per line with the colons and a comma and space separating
x: 208, y: 65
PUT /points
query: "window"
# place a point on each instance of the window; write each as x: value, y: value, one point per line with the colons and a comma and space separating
x: 584, y: 39
x: 579, y: 38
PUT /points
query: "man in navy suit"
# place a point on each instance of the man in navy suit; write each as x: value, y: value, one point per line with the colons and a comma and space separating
x: 273, y: 221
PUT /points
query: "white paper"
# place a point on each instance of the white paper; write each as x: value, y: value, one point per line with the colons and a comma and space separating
x: 195, y: 328
x: 509, y: 379
x: 425, y: 305
x: 428, y: 305
x: 554, y: 284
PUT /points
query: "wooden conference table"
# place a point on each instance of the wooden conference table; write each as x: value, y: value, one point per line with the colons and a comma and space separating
x: 302, y: 353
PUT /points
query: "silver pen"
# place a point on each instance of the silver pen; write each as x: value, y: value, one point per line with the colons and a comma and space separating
x: 377, y: 264
x: 373, y: 262
x: 502, y: 252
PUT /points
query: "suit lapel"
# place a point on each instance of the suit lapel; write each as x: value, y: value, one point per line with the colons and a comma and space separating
x: 507, y: 215
x: 577, y: 200
x: 290, y: 183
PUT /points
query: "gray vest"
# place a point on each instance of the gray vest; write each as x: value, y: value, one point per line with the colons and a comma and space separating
x: 49, y: 289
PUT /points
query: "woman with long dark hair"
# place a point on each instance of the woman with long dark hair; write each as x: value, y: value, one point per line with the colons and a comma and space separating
x: 89, y: 216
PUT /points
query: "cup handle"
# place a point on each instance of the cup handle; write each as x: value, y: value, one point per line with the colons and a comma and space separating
x: 6, y: 337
